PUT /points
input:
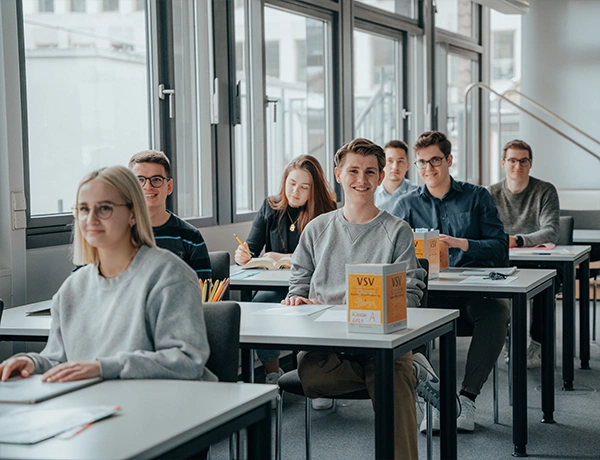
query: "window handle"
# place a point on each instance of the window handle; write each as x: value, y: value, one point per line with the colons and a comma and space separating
x: 270, y: 100
x: 406, y: 114
x: 214, y: 114
x: 237, y: 108
x: 162, y: 92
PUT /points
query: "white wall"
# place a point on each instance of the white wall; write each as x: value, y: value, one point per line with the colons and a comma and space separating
x: 561, y: 70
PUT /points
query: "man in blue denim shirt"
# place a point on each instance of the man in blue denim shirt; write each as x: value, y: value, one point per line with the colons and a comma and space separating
x: 470, y: 225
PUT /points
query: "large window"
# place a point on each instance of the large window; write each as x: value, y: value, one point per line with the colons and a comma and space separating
x: 455, y: 16
x: 403, y: 7
x: 86, y: 99
x: 377, y: 83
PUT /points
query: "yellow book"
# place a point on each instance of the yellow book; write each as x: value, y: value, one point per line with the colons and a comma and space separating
x: 427, y: 247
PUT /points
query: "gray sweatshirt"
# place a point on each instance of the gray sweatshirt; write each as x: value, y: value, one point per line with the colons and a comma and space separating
x: 146, y: 323
x: 329, y: 242
x: 532, y: 213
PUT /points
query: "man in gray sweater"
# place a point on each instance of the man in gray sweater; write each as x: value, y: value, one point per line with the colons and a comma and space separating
x: 529, y: 210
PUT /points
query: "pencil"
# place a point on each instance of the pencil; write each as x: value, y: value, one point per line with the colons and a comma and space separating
x: 242, y: 244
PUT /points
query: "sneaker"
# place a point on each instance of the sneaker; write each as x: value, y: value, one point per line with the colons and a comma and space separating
x: 322, y: 403
x: 506, y: 354
x: 466, y: 419
x: 273, y: 377
x: 534, y: 355
x: 428, y: 383
x: 435, y: 422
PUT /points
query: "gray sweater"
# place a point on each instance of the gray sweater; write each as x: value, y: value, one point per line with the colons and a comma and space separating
x: 329, y: 242
x: 532, y: 213
x: 146, y: 323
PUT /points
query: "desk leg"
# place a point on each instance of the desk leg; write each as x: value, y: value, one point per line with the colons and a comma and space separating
x: 259, y: 436
x: 448, y: 449
x: 384, y: 404
x: 246, y: 295
x: 519, y: 363
x: 568, y: 326
x: 584, y: 313
x: 248, y: 365
x: 548, y: 348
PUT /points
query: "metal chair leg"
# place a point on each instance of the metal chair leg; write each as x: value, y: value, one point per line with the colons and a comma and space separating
x: 278, y: 425
x: 594, y: 312
x: 308, y: 423
x: 496, y: 392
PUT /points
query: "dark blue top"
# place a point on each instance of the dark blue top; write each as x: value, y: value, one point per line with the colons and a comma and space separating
x: 466, y: 211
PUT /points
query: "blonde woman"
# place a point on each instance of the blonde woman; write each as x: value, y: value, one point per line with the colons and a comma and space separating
x: 133, y: 311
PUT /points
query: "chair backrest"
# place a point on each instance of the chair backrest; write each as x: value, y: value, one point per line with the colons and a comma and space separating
x: 565, y: 233
x: 1, y: 308
x: 424, y: 263
x: 588, y: 220
x: 223, y: 331
x: 219, y: 263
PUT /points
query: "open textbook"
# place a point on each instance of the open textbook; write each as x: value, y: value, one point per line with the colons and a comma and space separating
x: 268, y: 263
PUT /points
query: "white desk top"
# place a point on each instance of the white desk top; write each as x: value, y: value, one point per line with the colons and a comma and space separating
x: 15, y: 322
x: 586, y: 236
x: 559, y: 254
x: 303, y: 330
x: 258, y: 277
x: 156, y: 416
x: 527, y: 280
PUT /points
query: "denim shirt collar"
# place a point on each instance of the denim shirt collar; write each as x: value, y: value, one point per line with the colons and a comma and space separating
x: 454, y: 186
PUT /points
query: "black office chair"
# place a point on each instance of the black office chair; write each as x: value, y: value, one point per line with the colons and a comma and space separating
x: 290, y: 382
x: 219, y: 263
x: 1, y: 308
x: 588, y: 220
x: 565, y: 232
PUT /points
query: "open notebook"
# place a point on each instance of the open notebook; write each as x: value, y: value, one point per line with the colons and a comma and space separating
x: 32, y: 390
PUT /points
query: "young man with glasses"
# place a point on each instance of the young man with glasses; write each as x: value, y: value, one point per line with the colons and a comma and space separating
x: 529, y: 209
x: 468, y: 221
x: 394, y: 183
x: 153, y: 169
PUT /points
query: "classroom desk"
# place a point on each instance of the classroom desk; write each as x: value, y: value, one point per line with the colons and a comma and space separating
x: 250, y: 280
x: 303, y: 333
x: 529, y: 283
x: 159, y: 419
x: 586, y: 236
x: 566, y: 263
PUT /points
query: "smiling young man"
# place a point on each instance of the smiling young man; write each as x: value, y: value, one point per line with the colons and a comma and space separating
x: 153, y: 169
x: 468, y: 221
x: 394, y: 183
x: 530, y: 210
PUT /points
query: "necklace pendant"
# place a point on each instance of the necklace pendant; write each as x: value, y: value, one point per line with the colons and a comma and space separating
x: 292, y: 227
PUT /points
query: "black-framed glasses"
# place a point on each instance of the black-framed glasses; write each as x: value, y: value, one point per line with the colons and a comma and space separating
x: 101, y: 210
x: 434, y: 162
x: 155, y: 181
x: 523, y: 161
x: 495, y: 276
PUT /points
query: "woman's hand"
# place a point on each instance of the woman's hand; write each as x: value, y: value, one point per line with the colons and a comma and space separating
x: 275, y: 255
x: 294, y: 301
x: 17, y: 365
x: 72, y: 370
x: 242, y: 254
x: 460, y: 243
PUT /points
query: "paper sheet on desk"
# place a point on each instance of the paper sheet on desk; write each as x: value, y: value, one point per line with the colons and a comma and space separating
x: 300, y: 310
x: 333, y: 316
x: 486, y: 280
x: 541, y: 252
x: 33, y: 424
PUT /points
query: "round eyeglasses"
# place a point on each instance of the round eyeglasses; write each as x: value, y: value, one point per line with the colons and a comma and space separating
x: 524, y: 162
x: 155, y: 181
x: 101, y: 210
x: 434, y: 162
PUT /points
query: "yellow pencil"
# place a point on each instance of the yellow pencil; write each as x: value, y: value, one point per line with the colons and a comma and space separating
x: 204, y: 291
x: 242, y: 244
x: 213, y: 291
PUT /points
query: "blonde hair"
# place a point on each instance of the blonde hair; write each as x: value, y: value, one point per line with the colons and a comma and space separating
x: 128, y: 186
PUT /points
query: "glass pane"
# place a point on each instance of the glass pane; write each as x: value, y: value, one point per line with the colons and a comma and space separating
x: 376, y: 79
x: 193, y: 77
x: 87, y: 102
x: 455, y: 16
x: 462, y: 72
x: 403, y: 7
x: 242, y: 133
x: 297, y: 80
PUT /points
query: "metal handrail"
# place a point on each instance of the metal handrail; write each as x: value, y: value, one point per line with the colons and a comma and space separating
x: 522, y: 109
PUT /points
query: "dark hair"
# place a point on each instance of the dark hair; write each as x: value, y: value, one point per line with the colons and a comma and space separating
x: 322, y: 198
x: 152, y: 156
x: 429, y: 138
x: 397, y: 144
x: 517, y: 145
x: 362, y: 147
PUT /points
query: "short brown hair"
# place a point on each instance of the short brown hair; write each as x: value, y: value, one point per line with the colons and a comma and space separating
x: 362, y: 147
x: 517, y: 145
x: 429, y: 138
x: 152, y: 156
x: 397, y: 144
